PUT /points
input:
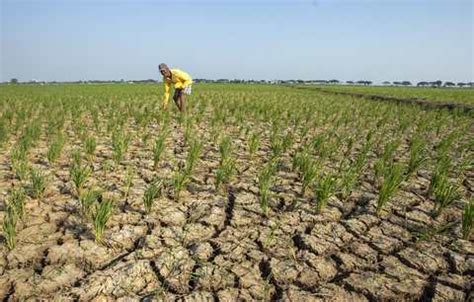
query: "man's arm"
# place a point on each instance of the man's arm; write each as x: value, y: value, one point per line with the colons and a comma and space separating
x: 166, y: 97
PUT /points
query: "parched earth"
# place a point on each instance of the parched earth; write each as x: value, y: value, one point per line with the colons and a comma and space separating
x: 219, y: 247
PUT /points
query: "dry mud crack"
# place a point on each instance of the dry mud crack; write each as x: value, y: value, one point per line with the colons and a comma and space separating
x: 224, y: 250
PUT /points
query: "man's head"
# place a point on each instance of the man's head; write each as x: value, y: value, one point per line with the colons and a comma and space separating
x: 165, y: 71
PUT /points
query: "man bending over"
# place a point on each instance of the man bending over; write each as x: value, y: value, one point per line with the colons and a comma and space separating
x: 181, y: 82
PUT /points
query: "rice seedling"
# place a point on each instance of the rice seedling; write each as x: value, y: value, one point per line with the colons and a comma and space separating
x: 307, y: 168
x: 253, y: 143
x: 145, y: 137
x: 264, y: 185
x: 158, y: 148
x: 100, y: 217
x: 9, y: 227
x: 271, y: 237
x: 19, y: 121
x: 19, y: 152
x: 317, y: 142
x: 225, y: 148
x: 224, y: 172
x: 445, y: 194
x: 16, y: 200
x: 276, y: 145
x: 120, y: 144
x: 87, y: 200
x: 432, y: 231
x: 404, y: 122
x: 38, y: 183
x: 129, y: 174
x: 181, y: 118
x: 151, y: 193
x: 32, y: 132
x: 80, y: 129
x: 79, y: 175
x: 107, y: 167
x: 20, y: 168
x: 446, y: 143
x: 417, y: 155
x: 188, y: 130
x: 349, y: 145
x: 350, y: 172
x: 386, y: 159
x: 392, y: 179
x: 95, y: 118
x: 328, y: 149
x: 55, y: 148
x: 468, y: 219
x: 180, y: 180
x: 298, y: 161
x: 309, y: 171
x: 215, y: 133
x: 304, y: 131
x: 324, y: 189
x: 193, y: 155
x: 348, y: 181
x: 440, y: 172
x: 90, y: 144
x: 76, y: 157
x: 3, y: 131
x: 55, y: 124
x: 287, y: 141
x: 465, y: 164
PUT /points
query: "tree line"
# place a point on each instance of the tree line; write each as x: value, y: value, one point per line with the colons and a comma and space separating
x: 437, y: 83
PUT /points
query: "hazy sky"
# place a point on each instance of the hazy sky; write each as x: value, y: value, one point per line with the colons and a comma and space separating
x: 346, y: 40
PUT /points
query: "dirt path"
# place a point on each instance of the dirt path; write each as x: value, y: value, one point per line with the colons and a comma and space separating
x: 421, y: 102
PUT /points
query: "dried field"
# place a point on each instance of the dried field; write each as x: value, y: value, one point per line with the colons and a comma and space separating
x: 435, y: 95
x: 259, y: 193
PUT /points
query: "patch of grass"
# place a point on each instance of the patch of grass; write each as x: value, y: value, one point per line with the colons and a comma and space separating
x: 309, y: 171
x: 193, y: 155
x: 90, y: 144
x: 120, y: 143
x: 430, y: 232
x: 9, y: 227
x: 38, y: 183
x: 323, y: 190
x: 445, y: 194
x: 393, y: 177
x: 16, y: 200
x: 224, y: 172
x: 386, y: 159
x: 225, y: 148
x: 55, y: 148
x: 253, y: 143
x: 417, y: 155
x: 87, y: 200
x: 468, y: 219
x: 129, y: 174
x: 179, y: 181
x: 151, y: 193
x: 79, y: 175
x: 103, y: 212
x: 158, y: 148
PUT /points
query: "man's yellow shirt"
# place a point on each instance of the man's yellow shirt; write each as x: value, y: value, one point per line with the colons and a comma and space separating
x: 179, y: 80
